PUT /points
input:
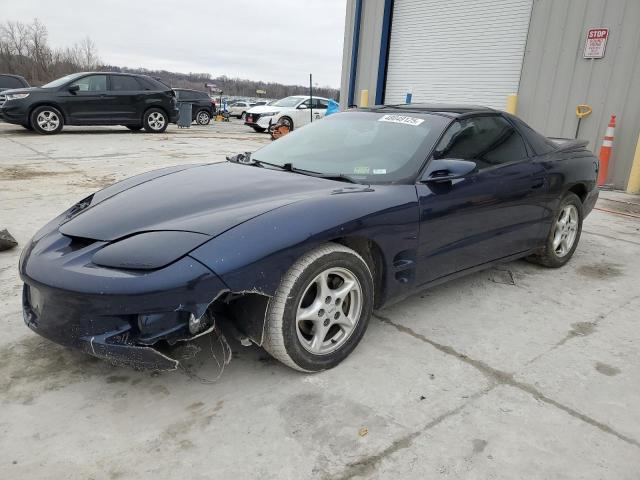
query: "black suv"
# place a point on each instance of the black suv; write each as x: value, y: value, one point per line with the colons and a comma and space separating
x: 8, y: 81
x: 203, y: 108
x: 92, y: 98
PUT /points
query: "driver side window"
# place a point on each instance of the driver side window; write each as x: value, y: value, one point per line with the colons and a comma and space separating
x: 91, y: 83
x: 487, y: 140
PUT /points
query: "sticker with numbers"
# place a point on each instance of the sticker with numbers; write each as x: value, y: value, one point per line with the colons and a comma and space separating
x: 401, y: 119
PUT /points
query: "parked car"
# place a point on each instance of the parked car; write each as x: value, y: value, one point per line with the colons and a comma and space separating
x: 294, y: 112
x: 239, y: 109
x: 92, y: 98
x: 204, y: 107
x: 9, y: 81
x: 299, y: 241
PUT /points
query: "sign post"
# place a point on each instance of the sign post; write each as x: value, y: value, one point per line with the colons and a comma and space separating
x: 595, y: 43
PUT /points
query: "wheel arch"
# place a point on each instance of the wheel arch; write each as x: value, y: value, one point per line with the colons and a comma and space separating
x: 159, y: 107
x: 371, y: 252
x: 580, y: 189
x: 44, y: 103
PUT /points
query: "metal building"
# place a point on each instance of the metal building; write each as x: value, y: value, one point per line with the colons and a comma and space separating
x: 480, y: 51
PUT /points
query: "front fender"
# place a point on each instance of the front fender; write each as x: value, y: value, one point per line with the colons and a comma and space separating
x: 253, y: 256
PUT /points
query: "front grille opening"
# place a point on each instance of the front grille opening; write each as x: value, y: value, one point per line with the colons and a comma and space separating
x: 78, y: 243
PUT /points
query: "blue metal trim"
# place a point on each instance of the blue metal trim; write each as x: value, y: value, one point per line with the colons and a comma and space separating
x: 384, y: 51
x: 354, y: 52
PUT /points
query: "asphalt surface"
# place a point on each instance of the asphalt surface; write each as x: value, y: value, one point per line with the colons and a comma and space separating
x: 514, y: 372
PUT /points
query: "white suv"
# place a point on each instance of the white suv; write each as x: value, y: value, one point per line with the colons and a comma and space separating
x: 291, y: 111
x: 239, y: 109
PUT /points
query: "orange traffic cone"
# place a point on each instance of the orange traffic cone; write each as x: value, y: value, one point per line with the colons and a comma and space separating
x: 605, y: 151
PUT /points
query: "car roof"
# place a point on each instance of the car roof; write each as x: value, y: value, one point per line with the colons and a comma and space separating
x: 447, y: 109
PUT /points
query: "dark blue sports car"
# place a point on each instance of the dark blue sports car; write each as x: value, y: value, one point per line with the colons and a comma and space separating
x: 299, y: 241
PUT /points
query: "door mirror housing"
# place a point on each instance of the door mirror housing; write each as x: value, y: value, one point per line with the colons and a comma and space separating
x: 302, y: 107
x: 74, y: 88
x: 447, y: 169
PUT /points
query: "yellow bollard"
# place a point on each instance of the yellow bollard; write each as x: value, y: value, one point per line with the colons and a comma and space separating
x: 634, y: 177
x: 512, y: 103
x: 364, y: 98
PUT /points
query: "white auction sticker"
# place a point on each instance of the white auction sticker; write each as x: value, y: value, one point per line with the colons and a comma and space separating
x: 401, y: 119
x: 379, y: 171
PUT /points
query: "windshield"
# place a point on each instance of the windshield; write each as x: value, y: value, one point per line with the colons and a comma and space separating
x: 288, y: 102
x: 61, y: 81
x: 368, y: 147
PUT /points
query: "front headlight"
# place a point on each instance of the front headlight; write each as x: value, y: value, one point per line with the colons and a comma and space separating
x: 16, y: 96
x: 269, y: 114
x: 149, y: 250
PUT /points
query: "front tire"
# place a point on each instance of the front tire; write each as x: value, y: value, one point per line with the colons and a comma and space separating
x: 155, y: 120
x: 564, y: 233
x: 321, y: 309
x: 287, y: 122
x: 46, y: 120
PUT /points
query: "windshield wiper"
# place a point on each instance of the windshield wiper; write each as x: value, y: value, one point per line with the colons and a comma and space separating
x: 245, y: 159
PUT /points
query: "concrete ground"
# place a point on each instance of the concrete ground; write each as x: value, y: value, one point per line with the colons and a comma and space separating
x: 514, y: 372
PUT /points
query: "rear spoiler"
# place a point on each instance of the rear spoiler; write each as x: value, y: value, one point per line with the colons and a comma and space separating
x: 568, y: 144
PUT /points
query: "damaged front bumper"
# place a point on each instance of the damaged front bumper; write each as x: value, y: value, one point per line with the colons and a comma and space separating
x: 125, y: 317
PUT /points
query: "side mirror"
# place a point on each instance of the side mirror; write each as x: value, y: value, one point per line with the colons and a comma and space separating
x: 302, y: 107
x: 447, y: 169
x: 74, y: 88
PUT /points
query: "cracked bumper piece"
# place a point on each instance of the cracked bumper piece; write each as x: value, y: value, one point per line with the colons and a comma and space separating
x: 120, y: 316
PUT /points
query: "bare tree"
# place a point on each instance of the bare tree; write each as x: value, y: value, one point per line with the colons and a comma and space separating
x: 24, y: 50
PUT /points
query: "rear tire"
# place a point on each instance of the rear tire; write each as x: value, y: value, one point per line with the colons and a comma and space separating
x: 203, y: 117
x: 46, y: 120
x: 564, y: 234
x: 155, y: 120
x: 321, y: 309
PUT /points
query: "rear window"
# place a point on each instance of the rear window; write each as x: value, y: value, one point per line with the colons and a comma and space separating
x: 11, y: 82
x: 124, y: 83
x: 153, y: 84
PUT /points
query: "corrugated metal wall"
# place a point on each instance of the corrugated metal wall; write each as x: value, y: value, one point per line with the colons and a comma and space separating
x: 556, y: 77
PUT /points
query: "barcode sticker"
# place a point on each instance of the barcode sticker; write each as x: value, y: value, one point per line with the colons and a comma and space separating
x: 401, y: 119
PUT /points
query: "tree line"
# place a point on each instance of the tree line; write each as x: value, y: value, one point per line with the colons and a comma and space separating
x: 25, y: 51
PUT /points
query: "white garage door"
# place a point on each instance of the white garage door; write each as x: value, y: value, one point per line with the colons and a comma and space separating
x: 457, y: 50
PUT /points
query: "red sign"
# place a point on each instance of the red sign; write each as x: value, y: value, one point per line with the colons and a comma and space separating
x: 596, y: 42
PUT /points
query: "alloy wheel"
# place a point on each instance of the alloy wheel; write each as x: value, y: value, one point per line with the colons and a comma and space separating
x: 156, y: 120
x: 203, y: 118
x: 48, y: 120
x: 566, y: 230
x: 329, y: 311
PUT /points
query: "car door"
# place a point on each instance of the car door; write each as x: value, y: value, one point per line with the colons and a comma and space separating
x: 87, y: 100
x: 302, y: 114
x: 128, y: 98
x: 491, y: 213
x: 319, y: 108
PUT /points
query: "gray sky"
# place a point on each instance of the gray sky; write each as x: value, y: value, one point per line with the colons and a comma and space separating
x: 271, y: 40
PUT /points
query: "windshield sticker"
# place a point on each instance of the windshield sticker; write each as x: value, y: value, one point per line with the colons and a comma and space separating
x: 379, y: 171
x: 361, y: 170
x: 401, y: 119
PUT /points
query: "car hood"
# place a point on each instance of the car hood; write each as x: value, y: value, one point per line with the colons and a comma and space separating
x: 208, y: 199
x: 25, y: 90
